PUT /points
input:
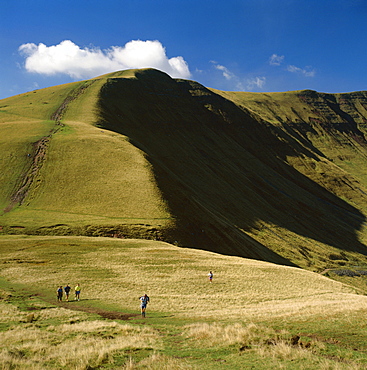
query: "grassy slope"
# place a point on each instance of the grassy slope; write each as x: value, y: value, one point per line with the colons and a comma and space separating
x: 88, y: 175
x: 332, y: 126
x: 221, y: 169
x: 24, y: 119
x: 138, y: 147
x: 248, y: 304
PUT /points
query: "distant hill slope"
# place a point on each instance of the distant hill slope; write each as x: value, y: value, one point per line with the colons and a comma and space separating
x: 279, y: 177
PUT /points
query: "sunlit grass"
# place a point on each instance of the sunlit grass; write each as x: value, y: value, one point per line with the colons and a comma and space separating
x: 116, y: 272
x: 240, y: 318
x: 77, y: 346
x: 159, y: 361
x: 89, y: 176
x: 278, y: 348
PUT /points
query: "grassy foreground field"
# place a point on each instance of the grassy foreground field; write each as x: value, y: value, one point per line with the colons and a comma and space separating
x: 254, y: 315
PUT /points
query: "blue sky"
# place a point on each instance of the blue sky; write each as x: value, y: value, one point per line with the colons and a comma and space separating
x: 248, y: 45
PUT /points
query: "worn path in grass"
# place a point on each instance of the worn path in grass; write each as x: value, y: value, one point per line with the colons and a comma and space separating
x: 106, y: 314
x: 244, y: 294
x: 114, y: 273
x: 221, y: 343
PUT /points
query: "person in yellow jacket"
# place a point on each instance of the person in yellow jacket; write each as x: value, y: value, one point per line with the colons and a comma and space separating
x: 77, y: 292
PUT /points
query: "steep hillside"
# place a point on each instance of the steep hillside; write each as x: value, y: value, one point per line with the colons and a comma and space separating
x: 331, y: 125
x: 70, y: 176
x: 278, y: 177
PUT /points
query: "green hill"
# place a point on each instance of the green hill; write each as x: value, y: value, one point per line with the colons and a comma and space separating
x: 277, y: 177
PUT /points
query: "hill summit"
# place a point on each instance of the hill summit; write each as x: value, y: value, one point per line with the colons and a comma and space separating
x: 278, y: 177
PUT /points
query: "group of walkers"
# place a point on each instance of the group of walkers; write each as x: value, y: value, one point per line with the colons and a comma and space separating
x: 144, y: 299
x: 60, y: 292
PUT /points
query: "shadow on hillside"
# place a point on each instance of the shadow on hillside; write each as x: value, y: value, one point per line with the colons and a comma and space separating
x: 221, y: 171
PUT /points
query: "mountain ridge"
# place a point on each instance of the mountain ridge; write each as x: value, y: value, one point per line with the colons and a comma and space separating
x: 276, y: 177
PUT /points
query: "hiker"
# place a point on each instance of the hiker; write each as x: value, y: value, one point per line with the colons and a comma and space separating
x: 144, y: 301
x: 67, y: 292
x: 77, y: 292
x: 59, y: 293
x: 210, y: 275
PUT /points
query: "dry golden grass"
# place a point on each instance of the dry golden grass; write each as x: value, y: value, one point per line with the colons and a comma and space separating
x: 158, y: 361
x: 82, y: 345
x: 267, y: 343
x: 113, y: 273
x: 116, y: 272
x: 217, y: 334
x: 10, y: 313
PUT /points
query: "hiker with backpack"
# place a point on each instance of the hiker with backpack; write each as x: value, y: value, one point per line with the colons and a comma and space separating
x: 144, y: 300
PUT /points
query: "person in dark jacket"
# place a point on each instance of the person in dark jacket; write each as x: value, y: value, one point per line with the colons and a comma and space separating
x: 67, y: 292
x: 59, y: 293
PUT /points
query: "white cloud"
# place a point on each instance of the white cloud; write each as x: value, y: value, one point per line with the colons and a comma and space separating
x: 276, y: 60
x: 237, y: 82
x: 308, y: 72
x: 227, y: 74
x: 68, y: 58
x: 256, y: 82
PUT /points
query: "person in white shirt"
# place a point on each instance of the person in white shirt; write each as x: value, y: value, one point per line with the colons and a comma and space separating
x: 144, y: 300
x: 210, y: 275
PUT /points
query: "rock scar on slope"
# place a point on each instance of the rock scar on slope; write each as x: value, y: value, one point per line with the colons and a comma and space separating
x: 40, y: 150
